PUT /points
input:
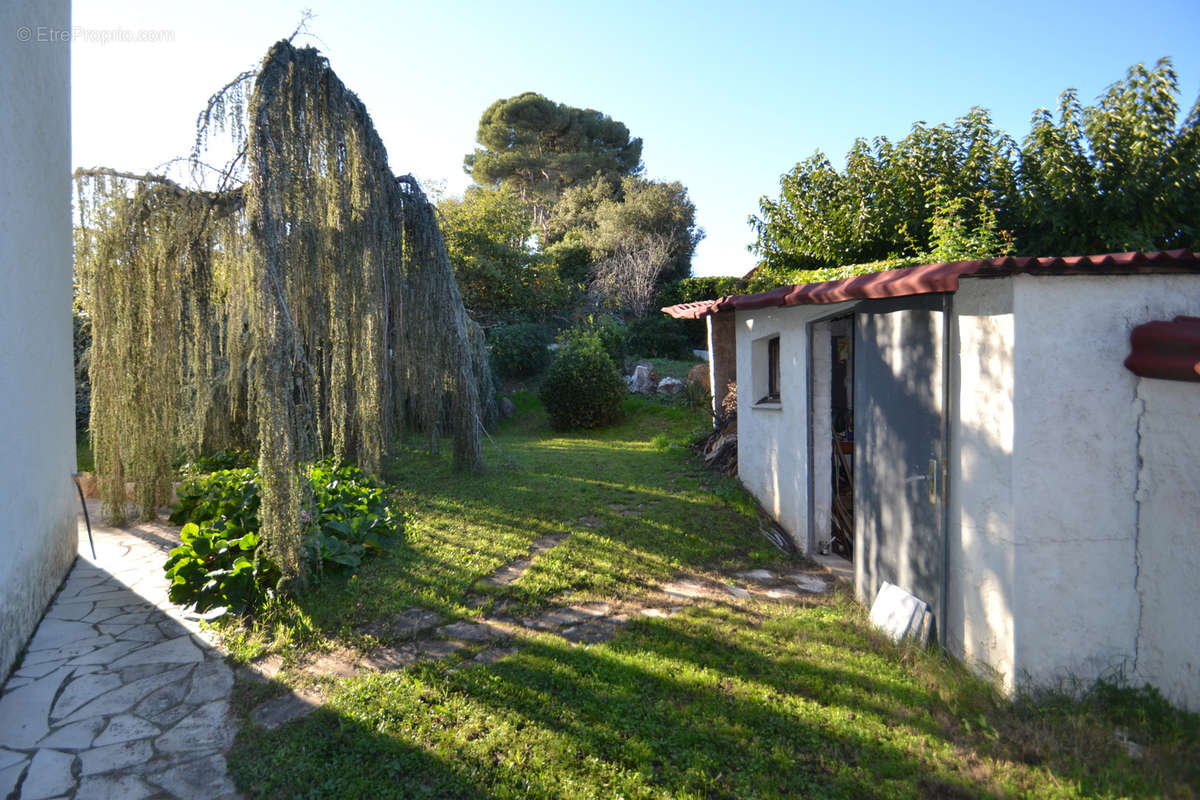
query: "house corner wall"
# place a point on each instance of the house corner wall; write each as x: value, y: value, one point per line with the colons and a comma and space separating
x: 722, y: 355
x: 1086, y: 555
x: 37, y: 429
x: 980, y: 591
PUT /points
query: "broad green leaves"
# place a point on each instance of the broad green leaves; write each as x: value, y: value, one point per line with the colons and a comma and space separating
x: 1111, y: 177
x: 221, y: 562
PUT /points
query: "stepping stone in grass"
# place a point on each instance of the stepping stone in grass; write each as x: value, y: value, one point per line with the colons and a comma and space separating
x: 292, y: 705
x: 485, y: 631
x: 654, y: 613
x: 263, y: 670
x: 338, y: 664
x: 548, y: 543
x: 688, y: 589
x: 507, y: 575
x: 781, y: 594
x: 435, y: 649
x: 737, y: 591
x: 626, y: 511
x: 494, y: 654
x: 757, y: 575
x: 405, y: 625
x: 385, y: 659
x: 568, y: 615
x: 594, y: 631
x: 809, y: 583
x: 590, y: 522
x: 516, y: 569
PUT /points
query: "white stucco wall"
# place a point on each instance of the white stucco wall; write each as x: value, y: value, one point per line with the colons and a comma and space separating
x: 37, y: 422
x: 773, y: 440
x: 1074, y: 533
x: 1078, y: 603
x: 979, y: 608
x: 821, y: 469
x: 1168, y: 568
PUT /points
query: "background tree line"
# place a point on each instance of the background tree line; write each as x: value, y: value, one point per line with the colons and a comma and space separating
x: 559, y: 214
x: 1115, y: 176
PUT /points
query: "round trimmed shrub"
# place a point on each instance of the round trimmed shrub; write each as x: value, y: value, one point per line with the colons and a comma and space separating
x: 609, y: 331
x: 583, y: 388
x: 518, y: 350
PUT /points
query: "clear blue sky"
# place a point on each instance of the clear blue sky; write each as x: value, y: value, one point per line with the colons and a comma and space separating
x: 727, y: 96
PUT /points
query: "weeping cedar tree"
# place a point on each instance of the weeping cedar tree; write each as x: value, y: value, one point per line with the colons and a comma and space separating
x: 1115, y: 176
x: 305, y: 304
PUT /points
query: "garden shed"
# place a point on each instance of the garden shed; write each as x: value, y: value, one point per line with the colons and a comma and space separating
x: 971, y: 432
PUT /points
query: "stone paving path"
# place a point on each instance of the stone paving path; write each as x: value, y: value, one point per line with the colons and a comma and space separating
x: 119, y: 694
x: 419, y: 634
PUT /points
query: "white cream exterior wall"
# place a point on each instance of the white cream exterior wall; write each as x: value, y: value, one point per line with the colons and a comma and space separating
x: 1084, y: 558
x: 37, y: 424
x: 821, y: 469
x: 1168, y: 569
x: 1075, y: 486
x: 773, y: 441
x: 981, y: 580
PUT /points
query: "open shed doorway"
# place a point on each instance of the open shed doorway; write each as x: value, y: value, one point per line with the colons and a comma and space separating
x: 832, y: 437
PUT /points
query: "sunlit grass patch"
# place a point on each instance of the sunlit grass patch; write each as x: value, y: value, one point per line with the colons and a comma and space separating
x: 745, y: 699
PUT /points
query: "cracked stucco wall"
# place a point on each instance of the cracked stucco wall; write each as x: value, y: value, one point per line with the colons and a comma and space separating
x: 1168, y: 583
x: 1077, y: 528
x: 37, y: 423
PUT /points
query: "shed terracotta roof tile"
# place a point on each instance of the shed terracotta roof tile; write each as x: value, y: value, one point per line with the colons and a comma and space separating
x: 942, y: 277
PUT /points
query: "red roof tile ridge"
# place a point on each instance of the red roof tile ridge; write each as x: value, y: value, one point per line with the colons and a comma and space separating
x: 937, y: 277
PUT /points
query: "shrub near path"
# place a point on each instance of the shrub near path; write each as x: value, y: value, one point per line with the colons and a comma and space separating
x: 721, y: 695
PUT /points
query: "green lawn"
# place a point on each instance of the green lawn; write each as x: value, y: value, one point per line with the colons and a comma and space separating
x: 722, y: 700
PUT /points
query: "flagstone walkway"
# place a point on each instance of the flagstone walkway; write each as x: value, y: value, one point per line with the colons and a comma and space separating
x: 119, y: 694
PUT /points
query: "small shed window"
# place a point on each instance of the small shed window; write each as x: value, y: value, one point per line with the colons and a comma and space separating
x: 773, y: 370
x: 765, y: 372
x: 767, y: 379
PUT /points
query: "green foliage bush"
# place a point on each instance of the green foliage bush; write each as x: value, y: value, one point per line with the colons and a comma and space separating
x: 1114, y: 176
x: 583, y: 388
x: 658, y: 336
x: 609, y: 332
x: 692, y: 290
x: 519, y: 350
x: 222, y: 561
x: 220, y: 460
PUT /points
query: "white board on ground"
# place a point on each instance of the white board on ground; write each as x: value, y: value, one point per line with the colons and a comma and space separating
x: 899, y: 614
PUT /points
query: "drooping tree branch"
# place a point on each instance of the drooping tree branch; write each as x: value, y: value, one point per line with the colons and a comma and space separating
x: 311, y: 310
